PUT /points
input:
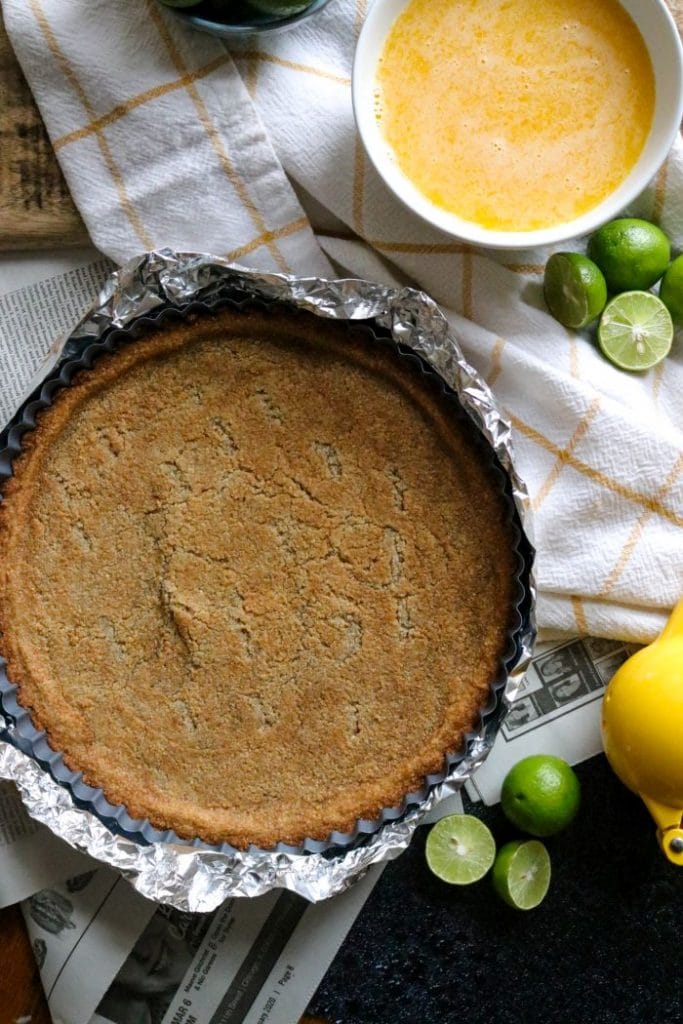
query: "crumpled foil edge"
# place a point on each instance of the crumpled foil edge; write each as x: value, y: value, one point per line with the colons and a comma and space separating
x: 195, y: 879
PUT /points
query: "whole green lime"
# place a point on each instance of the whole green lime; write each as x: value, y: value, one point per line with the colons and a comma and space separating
x: 280, y: 7
x: 181, y: 3
x: 671, y: 290
x: 541, y: 794
x: 574, y: 289
x: 632, y: 254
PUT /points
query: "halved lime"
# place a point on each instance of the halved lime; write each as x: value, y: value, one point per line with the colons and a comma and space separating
x: 635, y: 331
x: 460, y: 849
x: 521, y: 873
x: 574, y: 289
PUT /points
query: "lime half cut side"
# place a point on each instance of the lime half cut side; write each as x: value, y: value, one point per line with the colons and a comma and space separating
x: 521, y: 873
x: 574, y: 289
x: 460, y: 849
x: 635, y: 331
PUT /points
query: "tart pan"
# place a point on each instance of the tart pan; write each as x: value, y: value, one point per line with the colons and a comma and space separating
x: 34, y: 742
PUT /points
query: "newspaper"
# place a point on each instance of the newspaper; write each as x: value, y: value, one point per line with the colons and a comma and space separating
x: 250, y: 962
x: 82, y: 931
x: 557, y: 710
x: 108, y: 956
x: 36, y: 309
x: 31, y: 858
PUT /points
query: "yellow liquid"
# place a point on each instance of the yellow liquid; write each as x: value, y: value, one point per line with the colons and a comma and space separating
x: 515, y: 114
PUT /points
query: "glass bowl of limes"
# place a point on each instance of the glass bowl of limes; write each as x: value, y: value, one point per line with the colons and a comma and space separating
x: 235, y: 19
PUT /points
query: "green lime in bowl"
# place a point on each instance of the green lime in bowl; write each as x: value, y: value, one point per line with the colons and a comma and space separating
x: 237, y: 19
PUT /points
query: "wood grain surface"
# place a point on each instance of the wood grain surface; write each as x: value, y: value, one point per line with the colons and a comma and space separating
x: 36, y: 210
x: 21, y: 994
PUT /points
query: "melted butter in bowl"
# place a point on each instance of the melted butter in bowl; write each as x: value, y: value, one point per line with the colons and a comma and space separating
x: 524, y: 114
x: 502, y: 121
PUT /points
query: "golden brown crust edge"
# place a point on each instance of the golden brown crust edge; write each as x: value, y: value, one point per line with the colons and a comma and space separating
x: 16, y: 497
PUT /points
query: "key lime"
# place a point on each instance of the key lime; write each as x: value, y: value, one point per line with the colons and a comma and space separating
x: 671, y: 290
x: 632, y: 254
x: 280, y: 7
x: 460, y: 849
x: 521, y: 873
x: 635, y: 331
x: 541, y: 794
x: 574, y: 289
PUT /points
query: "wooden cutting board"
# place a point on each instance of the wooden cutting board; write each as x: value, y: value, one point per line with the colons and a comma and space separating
x: 36, y: 210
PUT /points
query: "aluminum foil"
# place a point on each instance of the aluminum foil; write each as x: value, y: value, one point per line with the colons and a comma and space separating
x: 186, y: 876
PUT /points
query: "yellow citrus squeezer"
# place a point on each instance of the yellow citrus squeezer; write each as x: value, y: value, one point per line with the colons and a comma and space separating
x: 642, y: 730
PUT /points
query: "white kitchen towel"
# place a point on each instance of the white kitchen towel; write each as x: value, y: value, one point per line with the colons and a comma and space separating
x: 161, y: 145
x: 157, y: 135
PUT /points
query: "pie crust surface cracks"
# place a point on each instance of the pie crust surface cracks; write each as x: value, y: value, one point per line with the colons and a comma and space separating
x: 255, y: 578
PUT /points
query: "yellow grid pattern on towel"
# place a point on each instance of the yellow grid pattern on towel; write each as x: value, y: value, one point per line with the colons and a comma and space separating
x: 121, y: 109
x: 69, y: 73
x: 83, y: 91
x: 217, y: 141
x: 565, y: 455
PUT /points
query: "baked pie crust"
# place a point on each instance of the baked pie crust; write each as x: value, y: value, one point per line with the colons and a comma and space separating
x: 256, y: 577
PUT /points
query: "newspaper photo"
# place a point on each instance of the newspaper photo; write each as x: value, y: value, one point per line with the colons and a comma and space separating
x: 557, y: 710
x: 81, y: 931
x: 106, y: 954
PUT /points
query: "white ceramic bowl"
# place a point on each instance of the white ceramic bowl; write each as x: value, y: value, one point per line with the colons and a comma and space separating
x: 664, y: 45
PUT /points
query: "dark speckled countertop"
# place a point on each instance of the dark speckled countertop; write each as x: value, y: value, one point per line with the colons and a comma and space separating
x: 605, y: 947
